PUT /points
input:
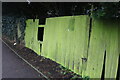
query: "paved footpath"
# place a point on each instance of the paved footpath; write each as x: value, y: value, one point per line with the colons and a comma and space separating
x: 14, y: 67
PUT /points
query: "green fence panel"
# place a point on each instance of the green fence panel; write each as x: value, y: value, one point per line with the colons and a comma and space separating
x: 96, y: 51
x: 31, y: 35
x: 28, y: 33
x: 119, y: 38
x: 112, y: 55
x: 36, y: 45
x: 65, y: 40
x: 104, y: 39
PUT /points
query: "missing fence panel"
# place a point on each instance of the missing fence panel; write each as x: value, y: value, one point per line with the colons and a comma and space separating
x: 103, y: 71
x: 42, y: 21
x: 40, y: 33
x: 40, y: 47
x: 33, y: 20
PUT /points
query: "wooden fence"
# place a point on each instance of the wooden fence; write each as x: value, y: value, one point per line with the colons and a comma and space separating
x: 31, y: 34
x: 85, y: 46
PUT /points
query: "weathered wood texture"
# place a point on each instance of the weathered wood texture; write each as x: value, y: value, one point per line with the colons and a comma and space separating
x: 31, y: 34
x: 66, y: 40
x: 104, y: 38
x: 71, y: 42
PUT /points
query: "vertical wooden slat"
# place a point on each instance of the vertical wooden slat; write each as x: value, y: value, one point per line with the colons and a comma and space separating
x: 81, y: 31
x: 96, y: 51
x: 31, y: 35
x: 45, y: 40
x: 112, y: 56
x: 36, y: 44
x: 28, y: 34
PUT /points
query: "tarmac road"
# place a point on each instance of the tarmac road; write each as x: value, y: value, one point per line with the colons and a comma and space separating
x: 14, y: 67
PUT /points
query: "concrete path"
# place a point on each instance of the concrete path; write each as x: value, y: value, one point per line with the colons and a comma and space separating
x: 0, y: 59
x: 14, y: 67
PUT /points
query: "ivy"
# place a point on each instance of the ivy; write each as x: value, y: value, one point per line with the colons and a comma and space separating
x: 9, y: 27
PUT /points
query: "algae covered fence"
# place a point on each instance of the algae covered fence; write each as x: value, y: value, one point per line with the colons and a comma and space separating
x: 31, y: 33
x: 87, y: 46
